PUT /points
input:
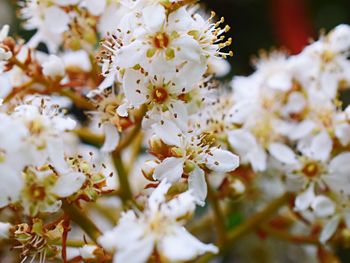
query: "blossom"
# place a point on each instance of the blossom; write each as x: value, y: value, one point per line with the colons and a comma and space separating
x: 50, y: 22
x: 160, y: 227
x: 190, y: 153
x: 314, y: 168
x: 54, y: 67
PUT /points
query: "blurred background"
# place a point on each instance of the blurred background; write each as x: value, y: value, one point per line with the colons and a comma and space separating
x: 257, y: 24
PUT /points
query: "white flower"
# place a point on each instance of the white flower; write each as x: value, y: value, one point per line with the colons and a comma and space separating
x: 190, y: 150
x: 14, y: 156
x: 157, y: 42
x: 158, y: 93
x: 159, y: 226
x: 54, y: 68
x: 313, y: 169
x: 46, y: 125
x: 49, y: 20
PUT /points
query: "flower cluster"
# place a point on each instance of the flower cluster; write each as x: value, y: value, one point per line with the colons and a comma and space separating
x: 289, y: 117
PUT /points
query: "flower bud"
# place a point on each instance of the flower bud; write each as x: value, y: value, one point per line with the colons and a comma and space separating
x: 5, y: 230
x: 148, y: 169
x: 237, y: 188
x: 54, y: 68
x: 88, y: 251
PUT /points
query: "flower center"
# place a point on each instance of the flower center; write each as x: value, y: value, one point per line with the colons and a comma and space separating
x: 161, y: 40
x: 38, y: 192
x: 160, y: 95
x: 311, y: 169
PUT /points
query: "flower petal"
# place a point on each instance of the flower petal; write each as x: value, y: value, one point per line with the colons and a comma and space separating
x: 222, y: 161
x: 170, y: 169
x: 305, y: 199
x: 198, y: 185
x: 323, y: 206
x: 182, y: 246
x: 134, y: 87
x: 111, y: 138
x: 329, y: 229
x: 67, y: 184
x: 283, y: 153
x: 168, y: 132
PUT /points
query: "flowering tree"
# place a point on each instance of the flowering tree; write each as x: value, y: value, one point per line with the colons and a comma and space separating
x: 170, y: 165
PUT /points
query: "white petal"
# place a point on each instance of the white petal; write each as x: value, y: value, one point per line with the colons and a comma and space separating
x: 56, y: 20
x: 198, y: 185
x: 10, y: 187
x: 68, y: 184
x: 137, y: 252
x: 154, y: 16
x: 342, y: 132
x: 158, y: 195
x: 4, y: 230
x: 180, y: 206
x: 257, y: 158
x: 182, y: 246
x: 180, y: 20
x: 323, y: 206
x: 283, y: 153
x: 131, y: 55
x: 168, y: 132
x: 179, y: 112
x: 329, y: 229
x: 111, y: 138
x: 340, y: 164
x: 222, y: 161
x: 170, y: 169
x: 56, y: 152
x: 242, y: 141
x: 96, y: 8
x: 304, y: 200
x: 321, y: 146
x: 134, y: 87
x: 302, y: 130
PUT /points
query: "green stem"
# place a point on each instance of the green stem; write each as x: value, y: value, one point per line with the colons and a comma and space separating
x: 250, y: 224
x: 124, y: 185
x: 82, y: 220
x: 283, y: 235
x: 219, y: 219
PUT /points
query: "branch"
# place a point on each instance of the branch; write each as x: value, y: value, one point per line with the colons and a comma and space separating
x: 82, y: 220
x: 250, y: 224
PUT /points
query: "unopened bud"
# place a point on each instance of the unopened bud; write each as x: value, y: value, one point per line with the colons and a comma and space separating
x: 88, y: 251
x: 189, y: 167
x: 156, y: 144
x: 237, y: 188
x: 148, y: 169
x: 345, y: 237
x: 5, y: 230
x: 54, y: 68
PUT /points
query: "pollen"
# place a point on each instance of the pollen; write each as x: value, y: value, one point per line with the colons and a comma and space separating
x: 311, y: 169
x: 160, y: 95
x: 161, y: 40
